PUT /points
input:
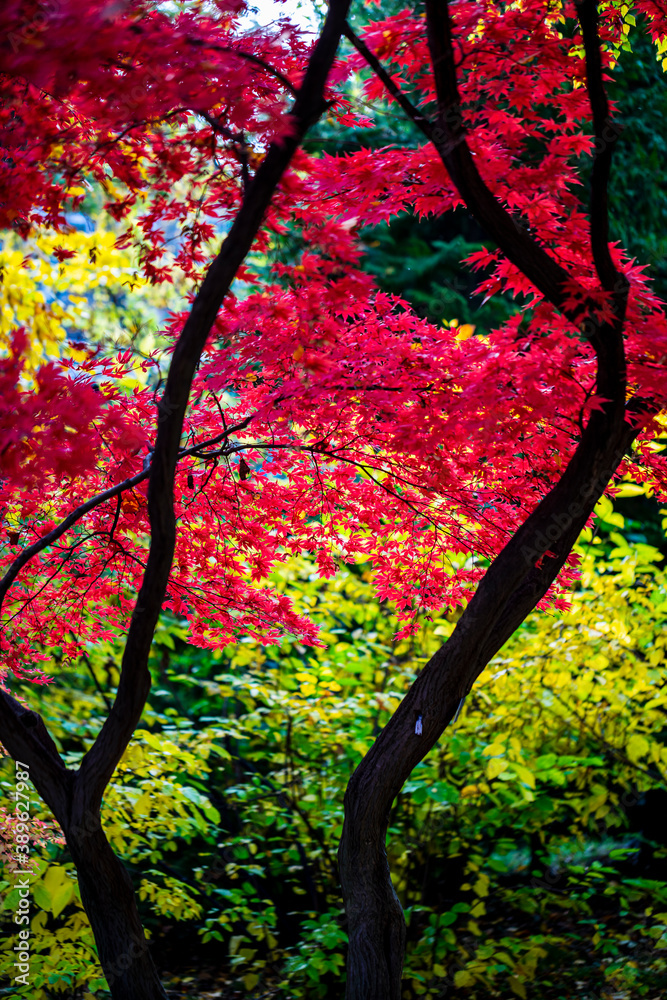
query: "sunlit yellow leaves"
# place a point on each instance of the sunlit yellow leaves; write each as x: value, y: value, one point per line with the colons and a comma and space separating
x: 308, y: 683
x: 604, y: 510
x: 631, y: 490
x: 465, y: 331
x: 495, y: 767
x: 55, y: 890
x: 143, y: 805
x: 584, y: 686
x: 56, y: 298
x: 524, y: 774
x: 169, y: 897
x: 661, y: 51
x: 637, y: 747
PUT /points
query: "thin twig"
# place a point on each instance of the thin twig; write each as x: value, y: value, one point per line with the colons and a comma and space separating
x: 102, y: 692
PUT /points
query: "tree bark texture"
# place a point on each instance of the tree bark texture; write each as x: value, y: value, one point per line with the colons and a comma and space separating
x: 511, y: 588
x: 109, y: 900
x: 524, y: 570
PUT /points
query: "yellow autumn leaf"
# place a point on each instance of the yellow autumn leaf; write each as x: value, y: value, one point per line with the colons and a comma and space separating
x: 517, y: 987
x: 630, y: 490
x: 481, y: 886
x: 465, y: 331
x: 524, y: 774
x: 495, y: 767
x: 636, y: 747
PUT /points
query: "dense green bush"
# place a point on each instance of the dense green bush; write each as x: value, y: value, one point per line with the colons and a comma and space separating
x: 515, y: 846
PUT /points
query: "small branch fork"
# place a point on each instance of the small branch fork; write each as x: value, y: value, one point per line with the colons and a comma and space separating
x: 239, y: 141
x: 448, y: 136
x: 79, y: 512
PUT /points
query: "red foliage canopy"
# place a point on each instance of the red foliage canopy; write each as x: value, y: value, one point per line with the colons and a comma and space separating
x: 325, y: 416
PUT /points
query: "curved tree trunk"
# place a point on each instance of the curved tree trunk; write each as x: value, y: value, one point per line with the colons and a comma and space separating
x: 511, y: 588
x: 525, y: 569
x: 109, y: 900
x: 376, y: 925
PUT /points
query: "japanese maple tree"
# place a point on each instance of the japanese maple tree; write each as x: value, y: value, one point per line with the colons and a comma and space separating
x: 302, y: 410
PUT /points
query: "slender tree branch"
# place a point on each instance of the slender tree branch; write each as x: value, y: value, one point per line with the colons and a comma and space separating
x: 42, y: 543
x: 611, y: 380
x: 99, y: 763
x: 449, y: 139
x: 79, y: 512
x: 91, y: 670
x: 411, y: 111
x: 545, y: 273
x: 218, y: 127
x: 247, y: 56
x: 606, y: 137
x: 238, y: 139
x: 258, y: 61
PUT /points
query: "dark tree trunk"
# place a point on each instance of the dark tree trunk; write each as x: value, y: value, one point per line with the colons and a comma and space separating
x: 108, y: 897
x: 507, y: 594
x: 525, y: 569
x: 376, y: 926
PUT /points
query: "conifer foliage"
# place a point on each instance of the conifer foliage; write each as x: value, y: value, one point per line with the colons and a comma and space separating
x: 294, y: 406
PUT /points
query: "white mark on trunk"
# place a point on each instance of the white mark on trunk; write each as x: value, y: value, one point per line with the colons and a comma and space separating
x: 418, y: 726
x: 458, y: 710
